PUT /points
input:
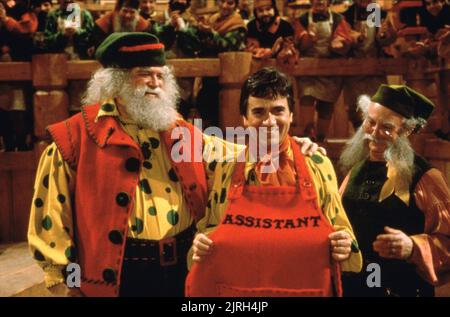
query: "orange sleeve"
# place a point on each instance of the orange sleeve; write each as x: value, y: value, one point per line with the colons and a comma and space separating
x: 252, y: 44
x: 343, y: 30
x: 28, y: 23
x: 302, y: 38
x: 344, y: 184
x: 431, y: 252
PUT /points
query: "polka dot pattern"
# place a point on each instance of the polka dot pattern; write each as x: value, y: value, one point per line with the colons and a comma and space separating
x: 138, y: 227
x: 47, y: 223
x: 38, y: 255
x: 45, y: 181
x: 173, y: 176
x: 71, y: 253
x: 317, y: 159
x: 145, y: 186
x: 154, y: 143
x: 61, y: 198
x: 147, y: 165
x: 152, y: 211
x: 38, y: 202
x: 173, y: 217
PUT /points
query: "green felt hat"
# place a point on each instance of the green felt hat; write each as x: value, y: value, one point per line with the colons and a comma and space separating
x: 131, y: 49
x: 404, y: 100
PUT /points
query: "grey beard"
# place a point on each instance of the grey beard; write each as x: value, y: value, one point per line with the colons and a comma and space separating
x: 158, y: 114
x: 118, y: 26
x: 398, y: 154
x: 356, y: 149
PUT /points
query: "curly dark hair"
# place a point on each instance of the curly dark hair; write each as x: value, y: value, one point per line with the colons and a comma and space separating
x: 266, y: 83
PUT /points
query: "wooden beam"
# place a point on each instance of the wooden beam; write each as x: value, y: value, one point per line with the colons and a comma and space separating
x: 15, y: 71
x: 210, y: 67
x: 347, y: 67
x: 17, y: 161
x: 81, y: 69
x: 196, y: 67
x: 437, y: 149
x: 189, y: 67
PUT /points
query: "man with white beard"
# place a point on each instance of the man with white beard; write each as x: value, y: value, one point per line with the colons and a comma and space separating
x: 124, y: 18
x: 108, y: 193
x: 397, y: 203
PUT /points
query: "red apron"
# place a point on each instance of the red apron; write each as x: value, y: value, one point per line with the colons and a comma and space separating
x: 272, y: 241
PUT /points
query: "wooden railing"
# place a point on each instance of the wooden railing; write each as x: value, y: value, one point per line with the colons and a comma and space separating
x: 50, y: 75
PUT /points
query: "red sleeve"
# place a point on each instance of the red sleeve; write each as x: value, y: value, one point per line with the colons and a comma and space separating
x: 28, y: 23
x: 343, y: 30
x: 302, y: 38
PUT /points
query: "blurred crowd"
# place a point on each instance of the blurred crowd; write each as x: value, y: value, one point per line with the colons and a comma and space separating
x: 315, y: 28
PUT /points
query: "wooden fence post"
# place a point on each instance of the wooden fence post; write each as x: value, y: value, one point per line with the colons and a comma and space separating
x: 444, y: 95
x: 423, y: 79
x: 235, y: 69
x: 50, y: 101
x: 418, y: 78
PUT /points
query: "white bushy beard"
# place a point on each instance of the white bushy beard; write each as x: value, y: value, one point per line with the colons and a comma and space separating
x: 157, y: 113
x: 398, y: 154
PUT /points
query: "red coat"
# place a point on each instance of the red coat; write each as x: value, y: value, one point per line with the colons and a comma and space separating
x: 108, y: 163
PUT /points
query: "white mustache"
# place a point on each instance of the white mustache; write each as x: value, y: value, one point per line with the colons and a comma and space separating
x: 143, y: 90
x: 375, y: 139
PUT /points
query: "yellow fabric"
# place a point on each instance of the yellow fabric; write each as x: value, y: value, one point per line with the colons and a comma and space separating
x: 50, y: 231
x: 163, y: 213
x: 53, y: 245
x: 396, y: 185
x: 325, y: 183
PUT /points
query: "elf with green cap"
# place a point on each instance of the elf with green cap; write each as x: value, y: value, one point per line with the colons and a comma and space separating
x: 110, y: 195
x: 397, y: 203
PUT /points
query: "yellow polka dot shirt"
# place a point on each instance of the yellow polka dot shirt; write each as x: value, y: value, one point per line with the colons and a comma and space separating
x: 159, y: 210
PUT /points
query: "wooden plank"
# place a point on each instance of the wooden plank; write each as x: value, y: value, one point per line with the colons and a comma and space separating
x: 17, y: 161
x: 347, y: 67
x: 210, y: 67
x: 17, y: 173
x: 15, y: 71
x: 49, y: 107
x: 189, y: 67
x: 81, y: 69
x: 6, y: 206
x: 49, y: 70
x: 18, y: 270
x: 196, y: 67
x: 340, y: 121
x: 437, y: 150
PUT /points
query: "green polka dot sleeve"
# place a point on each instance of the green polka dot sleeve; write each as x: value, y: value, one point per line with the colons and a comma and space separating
x: 50, y: 227
x: 330, y: 202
